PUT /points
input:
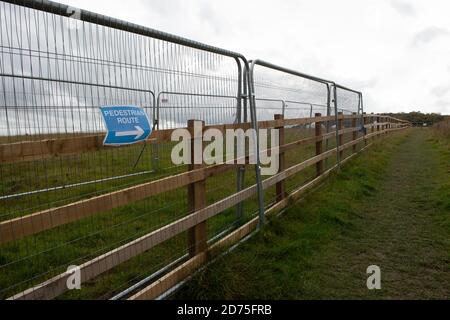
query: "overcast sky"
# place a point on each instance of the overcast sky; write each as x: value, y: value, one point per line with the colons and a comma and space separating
x: 396, y: 51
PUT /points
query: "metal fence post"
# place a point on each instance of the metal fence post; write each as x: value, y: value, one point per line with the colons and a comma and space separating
x: 155, y: 149
x: 336, y: 114
x: 355, y: 133
x: 319, y: 145
x: 259, y: 182
x: 242, y: 114
x: 328, y: 125
x: 197, y: 236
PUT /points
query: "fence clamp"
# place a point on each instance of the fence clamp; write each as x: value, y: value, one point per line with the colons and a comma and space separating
x: 363, y: 130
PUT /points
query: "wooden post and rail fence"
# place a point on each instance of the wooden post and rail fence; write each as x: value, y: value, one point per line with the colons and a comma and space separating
x: 194, y: 223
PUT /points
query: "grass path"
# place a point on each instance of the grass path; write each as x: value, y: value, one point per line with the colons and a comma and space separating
x: 389, y: 207
x: 400, y: 231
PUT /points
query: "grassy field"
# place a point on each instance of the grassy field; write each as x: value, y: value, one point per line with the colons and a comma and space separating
x: 388, y: 207
x: 442, y: 130
x: 32, y: 260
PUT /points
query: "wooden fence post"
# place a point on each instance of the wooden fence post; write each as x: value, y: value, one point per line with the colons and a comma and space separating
x: 381, y: 128
x: 378, y: 127
x: 197, y: 236
x: 280, y: 186
x: 341, y: 135
x: 319, y: 145
x: 355, y: 133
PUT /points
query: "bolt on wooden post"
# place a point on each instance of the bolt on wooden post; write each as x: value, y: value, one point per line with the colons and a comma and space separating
x: 341, y: 135
x: 280, y: 186
x: 197, y: 236
x: 355, y: 133
x: 319, y: 145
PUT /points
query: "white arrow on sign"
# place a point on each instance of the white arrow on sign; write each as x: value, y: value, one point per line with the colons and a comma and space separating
x: 138, y: 133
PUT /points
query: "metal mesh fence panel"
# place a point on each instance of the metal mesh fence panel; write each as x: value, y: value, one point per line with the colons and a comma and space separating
x: 278, y: 92
x: 57, y: 67
x: 127, y: 215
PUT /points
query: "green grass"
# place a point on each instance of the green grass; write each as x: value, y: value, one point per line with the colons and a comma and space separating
x: 387, y: 207
x: 32, y: 260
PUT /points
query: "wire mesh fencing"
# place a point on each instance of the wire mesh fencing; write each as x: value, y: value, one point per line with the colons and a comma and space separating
x: 124, y: 216
x: 350, y: 103
x: 301, y: 96
x: 58, y: 66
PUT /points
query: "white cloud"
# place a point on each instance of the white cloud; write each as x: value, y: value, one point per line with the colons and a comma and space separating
x: 361, y: 44
x: 404, y: 8
x: 440, y: 91
x: 443, y: 105
x: 430, y: 34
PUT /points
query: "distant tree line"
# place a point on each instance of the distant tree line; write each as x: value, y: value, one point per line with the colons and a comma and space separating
x: 419, y: 117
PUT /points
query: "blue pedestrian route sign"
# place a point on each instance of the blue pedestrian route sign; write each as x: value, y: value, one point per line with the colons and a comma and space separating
x: 125, y: 125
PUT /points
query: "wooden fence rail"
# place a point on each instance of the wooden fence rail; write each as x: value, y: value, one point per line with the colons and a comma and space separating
x: 41, y: 149
x: 195, y: 222
x: 165, y: 283
x: 35, y: 223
